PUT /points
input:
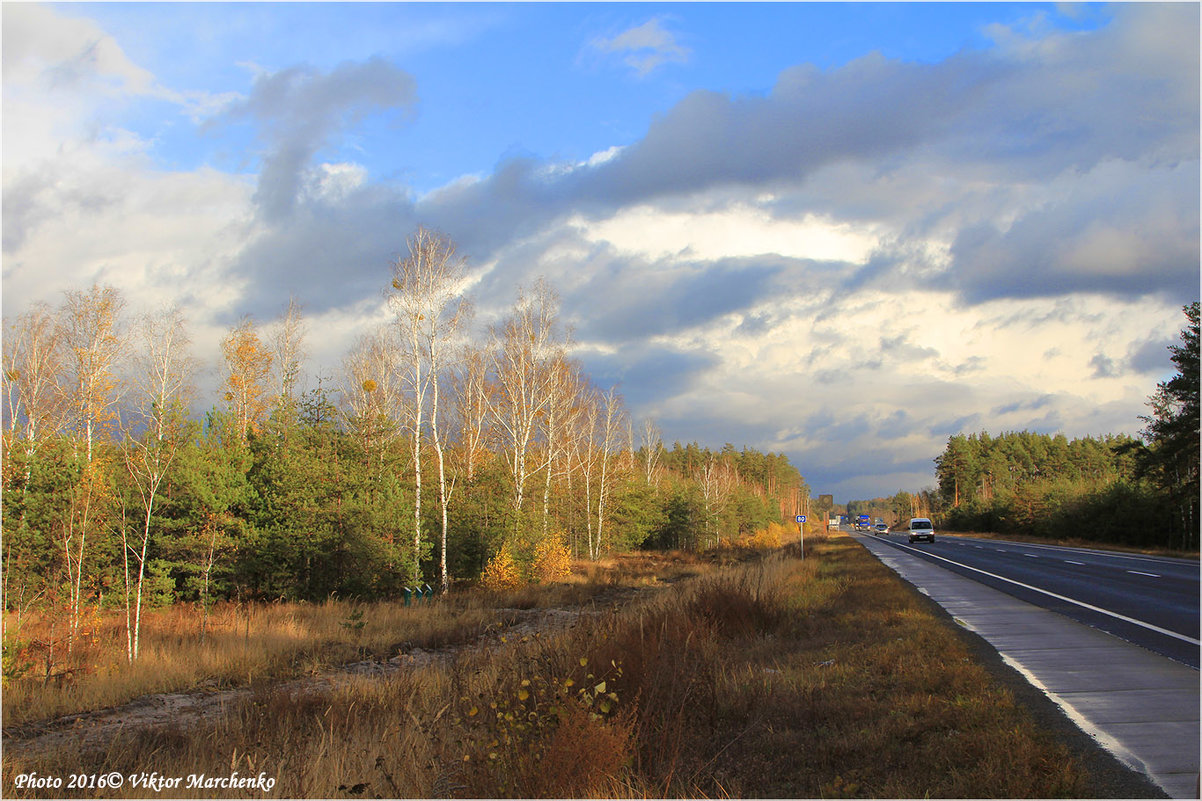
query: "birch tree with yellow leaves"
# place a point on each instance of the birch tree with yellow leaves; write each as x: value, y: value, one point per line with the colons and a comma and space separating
x: 248, y: 367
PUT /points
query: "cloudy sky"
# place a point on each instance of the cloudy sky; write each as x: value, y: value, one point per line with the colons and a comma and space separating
x: 843, y: 232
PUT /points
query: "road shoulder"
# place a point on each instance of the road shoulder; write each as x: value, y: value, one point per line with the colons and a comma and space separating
x: 1100, y: 703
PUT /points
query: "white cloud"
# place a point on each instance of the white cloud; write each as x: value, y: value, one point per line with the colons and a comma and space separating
x: 602, y: 156
x: 47, y: 49
x: 331, y: 183
x: 83, y: 202
x: 734, y: 231
x: 644, y: 47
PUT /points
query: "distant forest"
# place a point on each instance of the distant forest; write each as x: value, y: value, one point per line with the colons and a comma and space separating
x: 1054, y: 487
x: 429, y: 453
x: 1118, y: 489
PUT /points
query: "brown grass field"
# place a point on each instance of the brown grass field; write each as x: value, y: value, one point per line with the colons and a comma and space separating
x: 753, y: 675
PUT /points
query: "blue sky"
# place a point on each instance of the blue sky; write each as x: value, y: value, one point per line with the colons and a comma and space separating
x: 840, y: 231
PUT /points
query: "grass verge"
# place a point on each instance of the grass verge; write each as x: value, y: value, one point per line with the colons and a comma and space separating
x: 773, y: 678
x: 246, y: 644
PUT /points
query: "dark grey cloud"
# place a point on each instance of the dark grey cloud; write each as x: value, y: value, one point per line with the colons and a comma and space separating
x: 972, y: 364
x: 899, y: 348
x: 40, y: 192
x: 868, y: 109
x: 647, y: 374
x: 836, y: 426
x: 517, y: 200
x: 968, y: 423
x: 628, y: 299
x: 300, y: 110
x: 25, y: 207
x: 1125, y: 230
x: 896, y: 425
x: 1038, y: 402
x: 1151, y: 356
x: 327, y: 255
x: 1103, y: 366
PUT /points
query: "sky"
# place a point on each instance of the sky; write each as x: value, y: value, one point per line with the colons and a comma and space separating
x: 843, y: 232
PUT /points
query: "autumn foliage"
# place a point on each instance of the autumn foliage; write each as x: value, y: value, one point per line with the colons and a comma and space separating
x: 501, y: 572
x: 552, y: 560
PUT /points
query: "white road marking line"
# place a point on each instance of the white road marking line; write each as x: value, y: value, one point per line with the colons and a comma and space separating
x: 1071, y: 562
x: 1102, y: 553
x: 1141, y: 573
x: 1033, y: 556
x: 1057, y: 596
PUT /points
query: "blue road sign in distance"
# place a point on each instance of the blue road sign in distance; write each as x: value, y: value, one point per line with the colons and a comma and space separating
x: 801, y: 518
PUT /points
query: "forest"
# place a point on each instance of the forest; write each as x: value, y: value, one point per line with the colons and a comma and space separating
x: 433, y: 456
x: 1111, y: 488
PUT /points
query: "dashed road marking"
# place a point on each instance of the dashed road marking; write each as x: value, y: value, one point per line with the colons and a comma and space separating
x: 1058, y: 596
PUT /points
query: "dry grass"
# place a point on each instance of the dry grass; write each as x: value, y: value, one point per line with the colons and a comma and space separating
x: 252, y: 643
x: 243, y: 644
x: 770, y: 678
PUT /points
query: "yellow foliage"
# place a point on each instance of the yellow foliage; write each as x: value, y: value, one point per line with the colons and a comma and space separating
x: 770, y: 537
x: 501, y: 572
x: 552, y: 560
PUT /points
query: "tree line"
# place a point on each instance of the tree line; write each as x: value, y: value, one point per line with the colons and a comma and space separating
x: 430, y: 450
x: 896, y: 510
x: 1112, y: 488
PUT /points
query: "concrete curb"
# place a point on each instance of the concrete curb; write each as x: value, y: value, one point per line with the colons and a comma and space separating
x: 1141, y: 707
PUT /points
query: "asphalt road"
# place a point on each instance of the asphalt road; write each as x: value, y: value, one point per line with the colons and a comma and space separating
x: 1147, y: 600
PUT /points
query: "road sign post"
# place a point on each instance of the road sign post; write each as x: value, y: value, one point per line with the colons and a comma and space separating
x: 801, y: 534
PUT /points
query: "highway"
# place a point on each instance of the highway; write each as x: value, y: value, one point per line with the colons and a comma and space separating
x: 1147, y: 600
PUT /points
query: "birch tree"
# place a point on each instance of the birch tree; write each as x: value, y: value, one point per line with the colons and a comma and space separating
x: 288, y: 350
x: 426, y: 289
x: 525, y: 347
x: 248, y: 365
x: 371, y: 391
x: 716, y: 482
x: 474, y: 397
x: 33, y: 367
x: 94, y: 344
x: 162, y: 388
x: 33, y: 410
x: 610, y: 429
x: 652, y: 444
x: 586, y: 453
x: 90, y: 327
x: 566, y: 386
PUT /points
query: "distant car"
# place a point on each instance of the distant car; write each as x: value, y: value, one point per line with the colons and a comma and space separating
x: 881, y: 528
x: 921, y: 529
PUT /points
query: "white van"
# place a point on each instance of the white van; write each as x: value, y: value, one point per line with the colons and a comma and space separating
x: 921, y: 529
